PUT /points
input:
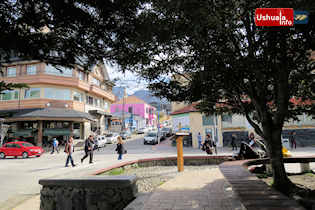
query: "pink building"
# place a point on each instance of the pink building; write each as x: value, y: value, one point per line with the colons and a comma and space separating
x: 138, y: 107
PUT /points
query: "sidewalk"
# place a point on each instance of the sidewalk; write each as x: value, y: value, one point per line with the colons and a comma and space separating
x: 209, y: 191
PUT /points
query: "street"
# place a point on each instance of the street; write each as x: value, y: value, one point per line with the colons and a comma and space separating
x: 19, y: 177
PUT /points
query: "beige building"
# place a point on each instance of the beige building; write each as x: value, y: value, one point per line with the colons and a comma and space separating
x: 59, y: 101
x: 222, y: 127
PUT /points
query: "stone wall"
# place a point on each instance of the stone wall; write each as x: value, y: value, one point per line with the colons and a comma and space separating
x: 95, y: 193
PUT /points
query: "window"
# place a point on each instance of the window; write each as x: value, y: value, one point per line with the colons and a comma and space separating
x: 105, y: 105
x: 32, y: 93
x: 130, y: 109
x: 208, y: 120
x: 59, y: 94
x: 12, y: 72
x: 96, y: 82
x: 27, y: 145
x: 9, y: 95
x: 227, y: 118
x: 77, y: 96
x: 31, y: 70
x: 61, y: 71
x: 96, y: 102
x: 81, y: 75
x: 89, y: 100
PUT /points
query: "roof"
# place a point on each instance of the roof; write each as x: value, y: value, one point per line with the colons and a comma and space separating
x: 186, y: 109
x: 131, y: 100
x: 48, y: 113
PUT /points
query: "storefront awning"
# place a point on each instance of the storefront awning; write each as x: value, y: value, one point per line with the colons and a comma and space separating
x: 49, y: 113
x: 99, y: 112
x: 56, y: 132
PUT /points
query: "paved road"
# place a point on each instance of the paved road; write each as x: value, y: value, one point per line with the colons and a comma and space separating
x: 19, y: 177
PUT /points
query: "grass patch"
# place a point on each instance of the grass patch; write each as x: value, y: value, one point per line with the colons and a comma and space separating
x: 115, y: 172
x: 310, y: 174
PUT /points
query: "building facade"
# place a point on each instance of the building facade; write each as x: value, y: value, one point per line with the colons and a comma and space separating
x: 58, y: 101
x: 221, y: 127
x: 136, y: 106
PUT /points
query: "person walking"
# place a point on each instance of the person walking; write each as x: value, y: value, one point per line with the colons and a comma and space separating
x: 69, y: 149
x: 55, y: 146
x: 292, y: 140
x: 88, y: 148
x: 120, y: 148
x: 214, y: 144
x: 207, y: 145
x: 233, y: 142
x: 199, y: 137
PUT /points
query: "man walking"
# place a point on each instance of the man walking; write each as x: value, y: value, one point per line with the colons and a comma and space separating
x: 69, y: 149
x: 292, y: 140
x: 88, y: 148
x: 233, y: 142
x: 55, y: 145
x: 199, y: 137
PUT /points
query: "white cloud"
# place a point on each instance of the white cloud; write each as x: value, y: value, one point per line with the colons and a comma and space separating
x: 127, y: 79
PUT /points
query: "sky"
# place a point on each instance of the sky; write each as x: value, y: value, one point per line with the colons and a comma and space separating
x: 127, y: 79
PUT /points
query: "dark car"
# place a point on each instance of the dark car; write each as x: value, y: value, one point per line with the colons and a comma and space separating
x: 125, y: 135
x: 166, y: 132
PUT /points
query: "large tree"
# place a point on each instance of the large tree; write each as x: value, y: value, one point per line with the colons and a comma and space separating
x: 62, y: 32
x: 228, y: 64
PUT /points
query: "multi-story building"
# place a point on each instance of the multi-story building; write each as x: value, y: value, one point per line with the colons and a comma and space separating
x: 58, y: 102
x: 136, y: 106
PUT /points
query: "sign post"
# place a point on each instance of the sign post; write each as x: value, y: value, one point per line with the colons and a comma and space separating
x: 179, y: 146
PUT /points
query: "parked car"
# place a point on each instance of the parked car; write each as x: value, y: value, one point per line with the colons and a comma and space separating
x: 111, y: 138
x: 101, y: 141
x: 141, y: 131
x: 20, y: 148
x: 151, y: 138
x: 166, y: 132
x: 125, y: 135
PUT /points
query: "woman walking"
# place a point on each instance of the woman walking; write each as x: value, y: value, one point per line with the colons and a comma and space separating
x: 69, y: 149
x: 120, y: 148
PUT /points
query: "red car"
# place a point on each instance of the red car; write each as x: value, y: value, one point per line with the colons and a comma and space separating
x: 20, y: 148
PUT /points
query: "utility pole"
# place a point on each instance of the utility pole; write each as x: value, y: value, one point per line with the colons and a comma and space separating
x: 123, y: 114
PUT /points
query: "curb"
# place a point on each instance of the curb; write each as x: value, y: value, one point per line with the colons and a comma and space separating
x: 119, y: 165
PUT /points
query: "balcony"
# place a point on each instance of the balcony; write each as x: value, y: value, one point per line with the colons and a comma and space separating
x: 103, y: 93
x: 59, y: 81
x: 41, y: 103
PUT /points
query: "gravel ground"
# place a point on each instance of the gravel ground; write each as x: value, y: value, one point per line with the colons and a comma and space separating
x: 151, y: 177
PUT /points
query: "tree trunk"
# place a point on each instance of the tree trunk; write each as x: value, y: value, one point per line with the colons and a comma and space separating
x: 280, y: 179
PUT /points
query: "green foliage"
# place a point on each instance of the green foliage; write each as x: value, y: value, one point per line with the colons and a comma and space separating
x: 115, y: 172
x: 216, y: 55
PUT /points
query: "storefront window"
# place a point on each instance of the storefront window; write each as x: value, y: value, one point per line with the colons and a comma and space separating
x: 31, y: 70
x: 9, y: 95
x: 32, y: 93
x: 12, y: 72
x: 58, y: 94
x: 61, y: 71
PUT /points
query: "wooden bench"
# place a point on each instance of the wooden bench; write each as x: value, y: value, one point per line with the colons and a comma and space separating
x: 254, y: 193
x: 303, y: 161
